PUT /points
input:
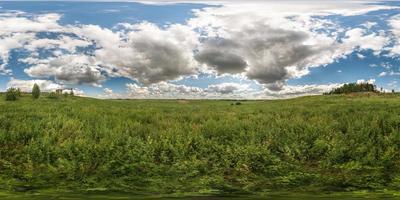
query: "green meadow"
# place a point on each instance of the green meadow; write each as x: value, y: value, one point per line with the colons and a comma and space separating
x: 332, y: 143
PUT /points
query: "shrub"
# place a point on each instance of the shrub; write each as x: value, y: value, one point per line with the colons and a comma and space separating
x: 18, y: 92
x: 11, y: 94
x: 52, y: 95
x: 35, y: 91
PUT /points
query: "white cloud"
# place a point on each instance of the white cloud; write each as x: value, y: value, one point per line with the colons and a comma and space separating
x: 394, y: 22
x: 269, y: 42
x: 172, y: 91
x: 272, y: 48
x: 370, y: 81
x: 369, y: 24
x: 67, y: 69
x: 64, y: 42
x: 360, y: 56
x: 16, y: 31
x: 382, y: 74
x: 357, y: 38
x: 289, y: 91
x: 26, y: 85
x: 146, y: 53
x: 228, y: 88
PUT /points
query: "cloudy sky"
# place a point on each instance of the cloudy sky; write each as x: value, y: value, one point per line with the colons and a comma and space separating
x: 199, y: 49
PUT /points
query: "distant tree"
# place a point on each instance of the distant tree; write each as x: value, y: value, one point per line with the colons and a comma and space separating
x: 35, y: 91
x: 52, y: 95
x: 11, y: 94
x: 393, y: 91
x: 71, y: 93
x: 354, y: 87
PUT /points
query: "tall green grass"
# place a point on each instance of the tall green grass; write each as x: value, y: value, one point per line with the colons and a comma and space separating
x: 168, y: 146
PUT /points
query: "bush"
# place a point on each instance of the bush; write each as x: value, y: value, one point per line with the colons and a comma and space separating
x: 35, y: 91
x: 11, y: 94
x: 18, y: 92
x: 52, y: 95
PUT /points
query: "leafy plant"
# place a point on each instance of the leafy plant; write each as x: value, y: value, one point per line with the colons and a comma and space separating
x: 11, y: 94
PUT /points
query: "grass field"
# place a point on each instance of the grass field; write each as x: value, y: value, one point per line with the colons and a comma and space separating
x: 318, y: 143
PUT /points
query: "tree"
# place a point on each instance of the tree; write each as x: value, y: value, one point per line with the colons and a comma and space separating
x: 71, y: 93
x: 18, y: 92
x: 11, y: 94
x: 354, y: 87
x: 35, y: 91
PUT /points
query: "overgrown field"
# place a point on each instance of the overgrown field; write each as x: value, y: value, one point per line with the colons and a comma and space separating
x: 178, y: 146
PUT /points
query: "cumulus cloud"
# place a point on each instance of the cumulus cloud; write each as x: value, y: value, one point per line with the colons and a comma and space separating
x: 283, y: 44
x: 264, y: 48
x: 268, y: 42
x: 222, y: 55
x: 26, y: 85
x: 394, y: 22
x: 162, y: 90
x: 289, y: 91
x: 170, y: 90
x: 67, y: 69
x: 63, y: 42
x: 150, y: 54
x: 370, y: 81
x: 16, y: 31
x: 228, y: 88
x: 358, y: 39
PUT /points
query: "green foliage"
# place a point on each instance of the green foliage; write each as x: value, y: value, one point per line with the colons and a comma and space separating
x: 35, y: 91
x: 166, y: 146
x: 52, y: 95
x: 354, y: 87
x: 18, y: 92
x: 12, y: 94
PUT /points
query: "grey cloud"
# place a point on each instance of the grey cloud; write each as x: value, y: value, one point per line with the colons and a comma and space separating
x: 220, y: 54
x: 263, y: 52
x: 152, y: 55
x: 70, y: 69
x: 162, y: 61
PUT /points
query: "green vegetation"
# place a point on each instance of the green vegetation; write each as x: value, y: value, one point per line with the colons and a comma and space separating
x: 354, y: 87
x: 12, y: 94
x: 52, y: 95
x: 319, y: 143
x: 35, y: 91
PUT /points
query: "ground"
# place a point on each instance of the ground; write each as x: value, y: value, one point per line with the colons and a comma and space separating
x: 317, y: 143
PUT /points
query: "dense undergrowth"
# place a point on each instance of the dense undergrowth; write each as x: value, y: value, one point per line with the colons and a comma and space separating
x: 169, y: 146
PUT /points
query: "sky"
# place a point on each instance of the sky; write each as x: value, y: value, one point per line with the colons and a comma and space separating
x: 226, y: 49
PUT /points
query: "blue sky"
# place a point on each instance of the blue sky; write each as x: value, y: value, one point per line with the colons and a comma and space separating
x: 257, y: 49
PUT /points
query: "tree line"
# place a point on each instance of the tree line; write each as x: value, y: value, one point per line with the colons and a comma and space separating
x: 354, y: 87
x: 13, y: 93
